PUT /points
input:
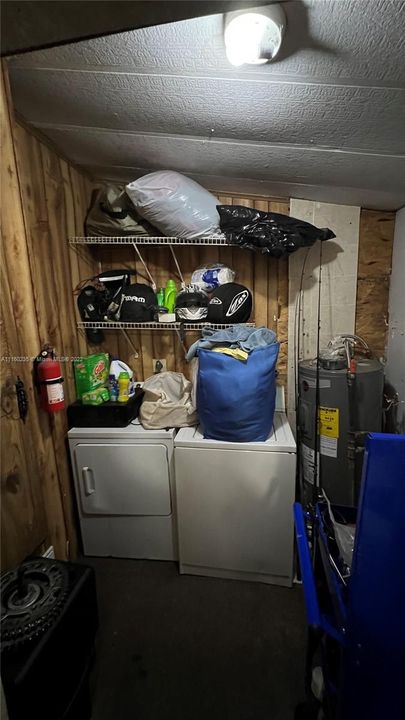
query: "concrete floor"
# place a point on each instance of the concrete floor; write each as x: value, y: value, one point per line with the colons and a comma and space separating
x: 174, y: 647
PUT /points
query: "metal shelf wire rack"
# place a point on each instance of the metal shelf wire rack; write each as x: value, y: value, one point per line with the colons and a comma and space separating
x: 146, y: 240
x: 115, y: 325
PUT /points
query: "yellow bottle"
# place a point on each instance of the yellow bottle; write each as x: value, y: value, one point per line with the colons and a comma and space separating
x: 123, y: 387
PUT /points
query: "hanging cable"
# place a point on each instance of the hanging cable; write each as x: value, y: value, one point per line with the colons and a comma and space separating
x: 297, y: 328
x: 317, y: 471
x: 297, y: 352
x: 179, y: 273
x: 152, y: 282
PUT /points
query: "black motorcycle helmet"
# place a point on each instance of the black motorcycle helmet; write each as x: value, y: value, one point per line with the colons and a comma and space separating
x: 191, y: 305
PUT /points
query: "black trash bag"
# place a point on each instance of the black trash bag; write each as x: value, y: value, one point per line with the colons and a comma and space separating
x: 267, y: 232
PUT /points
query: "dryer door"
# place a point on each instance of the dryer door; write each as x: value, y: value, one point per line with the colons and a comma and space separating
x: 123, y: 479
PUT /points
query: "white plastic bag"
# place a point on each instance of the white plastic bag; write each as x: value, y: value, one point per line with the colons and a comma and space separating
x: 345, y: 536
x: 167, y: 402
x: 176, y: 205
x: 210, y: 277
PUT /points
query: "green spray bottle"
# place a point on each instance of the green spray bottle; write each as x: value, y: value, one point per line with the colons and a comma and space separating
x: 160, y: 297
x: 170, y: 295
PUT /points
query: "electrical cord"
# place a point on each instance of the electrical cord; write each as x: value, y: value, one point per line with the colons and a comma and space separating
x: 316, y: 488
x: 297, y: 352
x: 297, y: 327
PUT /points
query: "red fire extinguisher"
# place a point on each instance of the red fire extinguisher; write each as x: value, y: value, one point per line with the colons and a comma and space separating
x: 50, y: 381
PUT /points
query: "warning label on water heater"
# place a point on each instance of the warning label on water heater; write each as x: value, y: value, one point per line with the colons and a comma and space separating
x: 328, y: 446
x: 329, y: 422
x: 328, y: 431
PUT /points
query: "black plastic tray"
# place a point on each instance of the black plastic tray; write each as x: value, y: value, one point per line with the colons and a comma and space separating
x: 109, y: 414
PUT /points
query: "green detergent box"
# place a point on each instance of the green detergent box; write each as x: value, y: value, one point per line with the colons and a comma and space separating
x: 91, y: 372
x: 96, y: 397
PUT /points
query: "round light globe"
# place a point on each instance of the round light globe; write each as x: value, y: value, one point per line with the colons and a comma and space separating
x: 254, y: 37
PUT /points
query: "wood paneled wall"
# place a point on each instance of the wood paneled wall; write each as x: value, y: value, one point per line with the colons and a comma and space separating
x: 43, y: 201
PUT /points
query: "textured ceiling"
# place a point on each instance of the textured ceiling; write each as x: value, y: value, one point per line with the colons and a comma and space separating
x: 325, y: 122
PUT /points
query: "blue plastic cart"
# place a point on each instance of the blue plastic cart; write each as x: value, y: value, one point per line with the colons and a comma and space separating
x: 357, y: 621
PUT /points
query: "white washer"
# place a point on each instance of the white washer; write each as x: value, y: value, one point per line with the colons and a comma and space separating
x: 234, y: 505
x: 124, y: 480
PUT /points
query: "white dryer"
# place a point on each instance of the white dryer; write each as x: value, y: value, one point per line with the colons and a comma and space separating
x: 234, y: 505
x: 124, y: 481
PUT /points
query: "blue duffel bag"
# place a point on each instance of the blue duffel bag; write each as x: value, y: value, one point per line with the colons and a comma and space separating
x: 236, y: 399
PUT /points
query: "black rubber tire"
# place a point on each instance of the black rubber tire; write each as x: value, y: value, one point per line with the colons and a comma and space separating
x: 50, y: 580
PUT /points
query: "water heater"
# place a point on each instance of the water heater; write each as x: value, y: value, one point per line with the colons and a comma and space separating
x: 350, y: 397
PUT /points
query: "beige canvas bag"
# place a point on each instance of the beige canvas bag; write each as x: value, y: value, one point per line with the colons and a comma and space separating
x: 167, y: 402
x: 112, y: 213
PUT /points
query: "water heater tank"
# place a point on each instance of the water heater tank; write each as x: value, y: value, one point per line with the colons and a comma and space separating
x: 346, y: 414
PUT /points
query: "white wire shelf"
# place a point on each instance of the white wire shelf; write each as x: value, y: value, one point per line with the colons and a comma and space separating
x: 146, y: 240
x: 86, y: 325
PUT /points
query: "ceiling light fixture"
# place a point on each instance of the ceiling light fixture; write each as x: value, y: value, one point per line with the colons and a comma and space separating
x: 254, y: 37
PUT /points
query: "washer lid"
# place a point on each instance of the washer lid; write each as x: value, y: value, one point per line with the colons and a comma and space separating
x: 133, y: 431
x: 280, y: 440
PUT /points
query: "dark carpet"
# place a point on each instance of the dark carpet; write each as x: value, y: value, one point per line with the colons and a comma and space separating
x: 174, y: 647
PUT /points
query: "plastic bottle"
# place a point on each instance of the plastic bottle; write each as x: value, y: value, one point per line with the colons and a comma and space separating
x: 160, y: 297
x: 123, y: 385
x: 113, y: 387
x: 117, y: 367
x: 170, y: 295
